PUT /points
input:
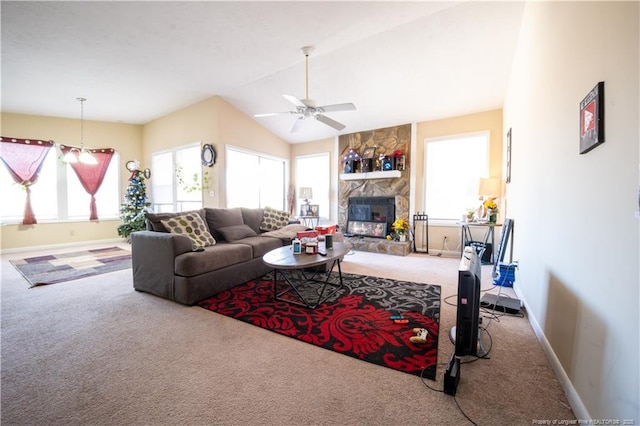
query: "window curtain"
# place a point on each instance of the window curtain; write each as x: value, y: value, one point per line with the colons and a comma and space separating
x: 91, y: 175
x: 24, y: 159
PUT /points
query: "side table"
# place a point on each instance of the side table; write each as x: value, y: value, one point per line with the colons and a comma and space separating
x: 466, y: 237
x: 308, y: 221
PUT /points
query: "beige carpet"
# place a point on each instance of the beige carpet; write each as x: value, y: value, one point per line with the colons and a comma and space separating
x: 103, y: 354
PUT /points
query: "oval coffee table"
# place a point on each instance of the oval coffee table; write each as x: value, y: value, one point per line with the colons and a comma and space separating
x: 300, y: 273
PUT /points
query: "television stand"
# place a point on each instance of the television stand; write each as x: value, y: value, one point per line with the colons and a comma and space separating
x: 480, y: 350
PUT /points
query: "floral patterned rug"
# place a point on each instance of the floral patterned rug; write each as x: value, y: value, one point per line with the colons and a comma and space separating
x: 355, y: 321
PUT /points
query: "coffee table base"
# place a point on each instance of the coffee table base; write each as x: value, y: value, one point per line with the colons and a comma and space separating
x: 329, y: 286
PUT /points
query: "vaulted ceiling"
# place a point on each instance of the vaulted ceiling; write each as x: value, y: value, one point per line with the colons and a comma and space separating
x: 397, y: 61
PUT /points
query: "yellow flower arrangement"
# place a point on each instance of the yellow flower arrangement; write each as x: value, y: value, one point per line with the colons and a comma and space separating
x: 400, y: 225
x: 490, y: 204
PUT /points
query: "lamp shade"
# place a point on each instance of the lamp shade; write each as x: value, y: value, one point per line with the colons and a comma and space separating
x: 306, y: 193
x: 489, y: 187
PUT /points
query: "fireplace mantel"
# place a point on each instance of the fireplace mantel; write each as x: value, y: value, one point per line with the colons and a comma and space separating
x: 388, y: 174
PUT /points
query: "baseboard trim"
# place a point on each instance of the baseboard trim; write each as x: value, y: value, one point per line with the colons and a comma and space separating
x: 575, y: 401
x: 64, y: 245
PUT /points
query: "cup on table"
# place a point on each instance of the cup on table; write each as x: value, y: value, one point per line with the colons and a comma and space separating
x: 328, y: 241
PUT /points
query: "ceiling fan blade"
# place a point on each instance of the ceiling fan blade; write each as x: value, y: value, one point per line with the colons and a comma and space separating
x: 329, y: 122
x: 297, y: 102
x: 297, y: 124
x: 271, y: 114
x: 338, y: 107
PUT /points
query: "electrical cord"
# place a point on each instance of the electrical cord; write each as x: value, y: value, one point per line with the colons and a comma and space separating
x: 442, y: 390
x: 425, y: 369
x: 462, y: 411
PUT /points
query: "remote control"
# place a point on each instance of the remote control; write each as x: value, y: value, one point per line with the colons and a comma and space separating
x: 401, y: 321
x: 396, y: 317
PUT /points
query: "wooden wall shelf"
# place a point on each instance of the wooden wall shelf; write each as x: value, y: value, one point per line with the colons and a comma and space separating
x: 371, y: 175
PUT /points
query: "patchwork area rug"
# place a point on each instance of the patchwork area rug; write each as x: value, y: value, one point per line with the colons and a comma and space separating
x: 51, y: 269
x: 355, y: 321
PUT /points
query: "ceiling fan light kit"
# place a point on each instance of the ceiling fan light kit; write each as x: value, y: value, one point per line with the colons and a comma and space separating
x: 306, y: 108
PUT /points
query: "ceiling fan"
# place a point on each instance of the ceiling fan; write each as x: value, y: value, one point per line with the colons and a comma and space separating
x: 306, y: 108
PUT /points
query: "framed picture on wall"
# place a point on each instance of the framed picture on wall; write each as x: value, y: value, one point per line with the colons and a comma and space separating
x: 592, y: 119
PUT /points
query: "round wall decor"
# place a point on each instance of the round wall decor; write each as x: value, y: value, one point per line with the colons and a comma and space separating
x: 132, y: 165
x: 208, y: 155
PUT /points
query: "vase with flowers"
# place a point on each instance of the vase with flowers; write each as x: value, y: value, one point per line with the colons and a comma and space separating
x: 401, y: 228
x: 492, y: 210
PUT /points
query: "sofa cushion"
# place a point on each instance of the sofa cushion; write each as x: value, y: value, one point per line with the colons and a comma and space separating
x: 212, y: 258
x: 273, y: 219
x: 219, y: 218
x: 154, y: 220
x: 259, y: 245
x: 236, y: 232
x: 252, y: 218
x: 192, y: 226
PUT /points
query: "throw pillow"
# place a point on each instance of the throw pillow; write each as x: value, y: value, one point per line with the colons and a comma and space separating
x: 219, y: 218
x: 192, y: 226
x: 273, y: 219
x: 236, y: 232
x: 154, y: 220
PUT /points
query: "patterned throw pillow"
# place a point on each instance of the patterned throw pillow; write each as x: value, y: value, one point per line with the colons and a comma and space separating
x: 192, y: 226
x: 273, y: 219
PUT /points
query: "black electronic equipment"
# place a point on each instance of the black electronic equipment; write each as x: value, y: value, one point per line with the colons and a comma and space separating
x: 452, y: 376
x: 465, y: 333
x: 501, y: 303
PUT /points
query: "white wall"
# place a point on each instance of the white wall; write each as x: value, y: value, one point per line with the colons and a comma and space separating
x: 576, y: 236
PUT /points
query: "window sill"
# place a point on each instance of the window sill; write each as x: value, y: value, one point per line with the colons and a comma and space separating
x: 50, y: 222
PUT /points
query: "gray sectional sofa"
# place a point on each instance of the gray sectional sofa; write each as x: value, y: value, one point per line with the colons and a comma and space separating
x: 165, y: 264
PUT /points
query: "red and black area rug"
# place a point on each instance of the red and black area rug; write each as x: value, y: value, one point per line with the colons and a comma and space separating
x: 356, y: 321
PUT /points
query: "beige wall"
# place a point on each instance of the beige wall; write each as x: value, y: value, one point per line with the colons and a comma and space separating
x: 238, y: 130
x: 124, y: 138
x: 482, y: 121
x: 195, y: 123
x: 218, y: 123
x: 576, y: 236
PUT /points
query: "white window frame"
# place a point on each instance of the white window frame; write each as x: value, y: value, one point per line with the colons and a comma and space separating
x: 319, y: 180
x: 256, y: 183
x: 176, y: 204
x: 469, y: 194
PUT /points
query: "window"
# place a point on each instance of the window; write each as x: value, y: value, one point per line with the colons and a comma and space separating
x: 255, y: 180
x: 453, y: 168
x: 58, y: 194
x: 318, y: 180
x: 177, y: 183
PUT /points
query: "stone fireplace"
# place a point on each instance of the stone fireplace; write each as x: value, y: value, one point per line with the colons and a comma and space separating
x: 386, y: 142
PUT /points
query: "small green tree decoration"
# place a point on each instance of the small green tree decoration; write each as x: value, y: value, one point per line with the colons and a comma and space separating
x: 136, y: 204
